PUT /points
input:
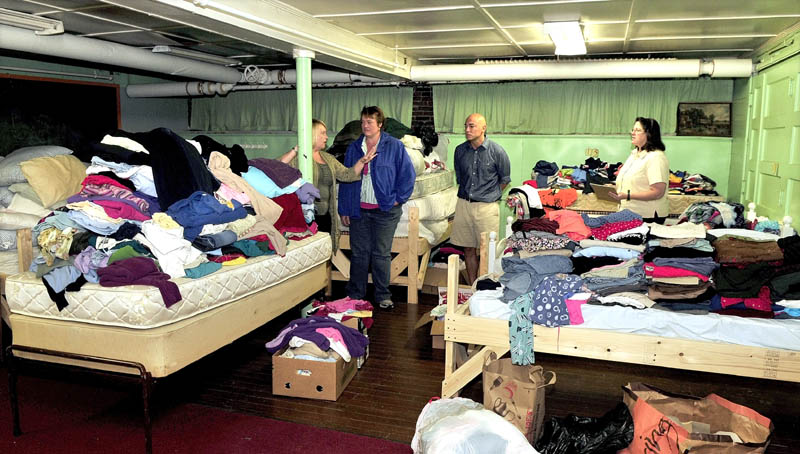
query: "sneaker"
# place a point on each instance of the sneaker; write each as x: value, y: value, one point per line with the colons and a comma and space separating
x: 386, y: 304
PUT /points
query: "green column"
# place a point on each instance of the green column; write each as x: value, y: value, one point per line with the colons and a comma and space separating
x: 302, y: 60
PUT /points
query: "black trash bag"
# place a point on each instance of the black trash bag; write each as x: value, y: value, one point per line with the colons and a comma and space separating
x: 582, y: 435
x: 426, y: 132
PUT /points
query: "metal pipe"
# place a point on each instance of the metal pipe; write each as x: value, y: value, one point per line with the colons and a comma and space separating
x: 108, y: 53
x: 305, y: 161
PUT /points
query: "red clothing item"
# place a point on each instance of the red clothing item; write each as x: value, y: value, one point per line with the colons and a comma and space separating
x: 570, y: 223
x: 291, y: 219
x: 122, y: 210
x: 759, y: 303
x: 653, y: 270
x: 602, y: 233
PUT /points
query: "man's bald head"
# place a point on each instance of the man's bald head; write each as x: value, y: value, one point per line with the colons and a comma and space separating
x: 475, y: 129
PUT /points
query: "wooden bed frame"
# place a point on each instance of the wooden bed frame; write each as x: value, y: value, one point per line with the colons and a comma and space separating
x: 492, y: 335
x: 412, y: 254
x: 159, y: 351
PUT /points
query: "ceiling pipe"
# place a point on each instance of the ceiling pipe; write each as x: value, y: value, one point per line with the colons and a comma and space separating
x: 588, y: 69
x: 260, y: 78
x: 108, y: 53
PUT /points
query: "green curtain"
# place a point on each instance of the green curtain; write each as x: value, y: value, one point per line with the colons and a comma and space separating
x: 572, y: 107
x: 276, y: 110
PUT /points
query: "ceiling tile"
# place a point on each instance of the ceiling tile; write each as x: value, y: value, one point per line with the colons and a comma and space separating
x: 316, y: 7
x: 533, y: 14
x: 714, y: 8
x: 443, y: 20
x: 465, y: 52
x: 443, y: 38
x: 712, y: 27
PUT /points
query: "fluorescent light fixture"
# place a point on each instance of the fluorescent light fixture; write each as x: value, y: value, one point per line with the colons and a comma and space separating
x: 40, y: 25
x: 195, y: 55
x: 567, y: 37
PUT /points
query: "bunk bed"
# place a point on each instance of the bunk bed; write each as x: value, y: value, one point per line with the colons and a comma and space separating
x: 773, y: 362
x: 129, y: 330
x: 426, y: 222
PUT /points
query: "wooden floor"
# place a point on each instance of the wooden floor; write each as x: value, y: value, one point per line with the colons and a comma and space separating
x: 403, y: 372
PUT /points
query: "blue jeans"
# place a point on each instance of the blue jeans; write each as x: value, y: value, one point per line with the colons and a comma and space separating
x: 371, y: 242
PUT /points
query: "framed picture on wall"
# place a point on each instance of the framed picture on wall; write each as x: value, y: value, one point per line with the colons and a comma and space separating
x: 704, y: 119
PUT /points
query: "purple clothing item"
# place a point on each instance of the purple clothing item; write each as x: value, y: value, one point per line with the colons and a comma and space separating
x: 282, y: 174
x: 90, y: 259
x: 140, y: 271
x: 306, y: 328
x: 307, y: 193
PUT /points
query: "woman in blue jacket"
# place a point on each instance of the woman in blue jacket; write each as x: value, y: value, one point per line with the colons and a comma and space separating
x: 372, y: 206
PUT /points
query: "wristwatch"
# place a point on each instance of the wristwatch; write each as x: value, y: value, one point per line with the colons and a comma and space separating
x: 629, y: 194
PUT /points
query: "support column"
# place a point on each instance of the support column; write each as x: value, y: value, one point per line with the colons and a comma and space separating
x: 302, y: 60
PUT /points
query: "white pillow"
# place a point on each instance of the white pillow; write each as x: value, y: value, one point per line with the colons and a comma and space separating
x: 10, y: 171
x: 12, y: 220
x: 22, y: 205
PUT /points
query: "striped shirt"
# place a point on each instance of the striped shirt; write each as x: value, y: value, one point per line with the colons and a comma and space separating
x: 368, y: 198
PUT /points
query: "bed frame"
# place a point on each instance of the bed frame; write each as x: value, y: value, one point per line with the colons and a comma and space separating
x: 159, y: 351
x: 412, y: 254
x: 492, y: 335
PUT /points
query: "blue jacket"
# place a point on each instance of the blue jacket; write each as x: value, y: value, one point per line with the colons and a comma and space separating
x: 391, y: 171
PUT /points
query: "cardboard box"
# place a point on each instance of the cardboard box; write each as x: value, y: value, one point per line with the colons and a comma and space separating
x: 310, y: 379
x: 358, y: 323
x: 437, y: 334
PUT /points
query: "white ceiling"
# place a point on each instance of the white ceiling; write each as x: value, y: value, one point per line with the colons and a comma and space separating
x: 368, y: 36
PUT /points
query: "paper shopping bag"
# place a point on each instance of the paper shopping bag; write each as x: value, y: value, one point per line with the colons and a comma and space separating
x: 668, y: 423
x: 516, y: 393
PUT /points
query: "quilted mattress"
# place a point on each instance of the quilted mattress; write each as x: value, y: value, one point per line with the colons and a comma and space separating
x: 141, y: 307
x: 434, y: 207
x: 429, y: 183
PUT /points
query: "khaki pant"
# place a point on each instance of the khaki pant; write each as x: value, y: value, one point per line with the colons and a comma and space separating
x: 472, y: 219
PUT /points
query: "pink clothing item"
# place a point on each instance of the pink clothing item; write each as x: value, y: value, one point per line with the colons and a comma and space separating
x: 101, y: 180
x: 574, y: 311
x: 602, y: 233
x: 228, y: 193
x: 652, y: 270
x: 571, y: 223
x: 759, y: 303
x: 332, y: 334
x: 122, y: 210
x: 369, y: 206
x: 341, y: 305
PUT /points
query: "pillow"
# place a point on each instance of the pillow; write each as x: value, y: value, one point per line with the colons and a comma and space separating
x: 12, y: 220
x: 10, y: 172
x: 5, y: 196
x: 54, y: 178
x: 25, y: 190
x: 20, y: 204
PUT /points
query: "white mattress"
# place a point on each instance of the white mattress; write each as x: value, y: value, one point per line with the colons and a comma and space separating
x: 433, y: 207
x: 141, y: 307
x: 433, y: 231
x: 429, y: 183
x: 772, y: 333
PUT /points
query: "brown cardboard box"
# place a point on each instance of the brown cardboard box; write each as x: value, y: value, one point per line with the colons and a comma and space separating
x: 437, y: 334
x: 437, y: 329
x: 310, y: 379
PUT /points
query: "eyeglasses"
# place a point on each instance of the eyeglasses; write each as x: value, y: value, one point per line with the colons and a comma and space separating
x: 637, y: 131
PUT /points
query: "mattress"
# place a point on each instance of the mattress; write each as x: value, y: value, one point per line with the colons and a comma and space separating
x: 429, y: 183
x: 434, y: 232
x: 780, y: 334
x: 433, y: 207
x: 141, y: 307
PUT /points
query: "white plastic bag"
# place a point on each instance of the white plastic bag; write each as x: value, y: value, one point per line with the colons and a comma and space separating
x: 462, y: 426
